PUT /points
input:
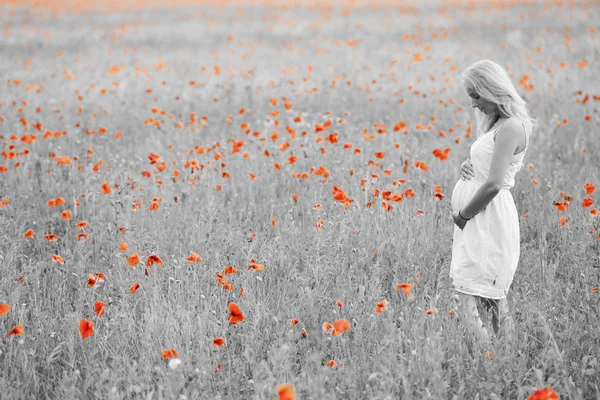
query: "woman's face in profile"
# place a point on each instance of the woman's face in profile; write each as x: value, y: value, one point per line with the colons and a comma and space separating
x: 485, y: 106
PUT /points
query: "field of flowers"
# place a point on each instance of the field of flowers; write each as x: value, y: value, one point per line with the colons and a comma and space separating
x: 221, y: 200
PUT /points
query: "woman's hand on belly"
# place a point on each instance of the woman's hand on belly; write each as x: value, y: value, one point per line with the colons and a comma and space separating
x: 466, y: 170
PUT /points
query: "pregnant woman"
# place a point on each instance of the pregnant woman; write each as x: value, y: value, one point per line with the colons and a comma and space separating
x: 485, y: 248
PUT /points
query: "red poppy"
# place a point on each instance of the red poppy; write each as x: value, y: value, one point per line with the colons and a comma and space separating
x: 339, y: 327
x: 194, y: 258
x: 81, y: 225
x: 134, y: 287
x: 170, y: 353
x: 286, y: 392
x: 106, y: 188
x: 381, y: 306
x: 230, y: 269
x: 99, y: 307
x: 83, y: 236
x: 17, y: 330
x: 133, y: 260
x: 544, y: 394
x: 589, y: 188
x: 153, y: 259
x: 257, y: 267
x: 235, y: 315
x: 86, y: 328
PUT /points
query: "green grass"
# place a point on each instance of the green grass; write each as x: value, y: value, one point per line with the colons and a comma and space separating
x: 358, y: 256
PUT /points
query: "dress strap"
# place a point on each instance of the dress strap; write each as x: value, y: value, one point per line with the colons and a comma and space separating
x: 526, y: 135
x: 496, y: 130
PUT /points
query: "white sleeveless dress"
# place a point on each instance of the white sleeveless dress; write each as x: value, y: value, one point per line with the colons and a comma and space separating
x: 486, y: 252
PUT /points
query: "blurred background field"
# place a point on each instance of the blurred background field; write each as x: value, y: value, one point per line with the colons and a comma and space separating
x: 221, y: 129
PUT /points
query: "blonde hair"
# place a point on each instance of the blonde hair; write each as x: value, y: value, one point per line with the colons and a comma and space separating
x: 490, y: 81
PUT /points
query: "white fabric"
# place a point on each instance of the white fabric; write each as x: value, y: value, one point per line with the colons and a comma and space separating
x: 486, y: 252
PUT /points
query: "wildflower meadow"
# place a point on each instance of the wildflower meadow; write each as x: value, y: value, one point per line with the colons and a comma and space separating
x: 251, y: 199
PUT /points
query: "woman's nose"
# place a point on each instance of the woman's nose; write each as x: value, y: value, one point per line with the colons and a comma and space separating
x: 474, y: 103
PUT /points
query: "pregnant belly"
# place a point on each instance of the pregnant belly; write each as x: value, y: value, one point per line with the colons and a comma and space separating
x: 463, y: 193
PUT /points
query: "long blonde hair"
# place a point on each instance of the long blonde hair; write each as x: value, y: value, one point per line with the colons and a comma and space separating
x: 490, y: 81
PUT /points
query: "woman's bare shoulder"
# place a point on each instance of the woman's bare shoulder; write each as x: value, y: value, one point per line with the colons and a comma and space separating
x: 513, y: 126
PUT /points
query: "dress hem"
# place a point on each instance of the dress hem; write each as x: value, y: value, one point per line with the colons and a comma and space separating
x: 474, y: 293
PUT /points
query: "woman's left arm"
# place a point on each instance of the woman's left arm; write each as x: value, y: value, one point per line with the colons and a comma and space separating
x: 507, y: 141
